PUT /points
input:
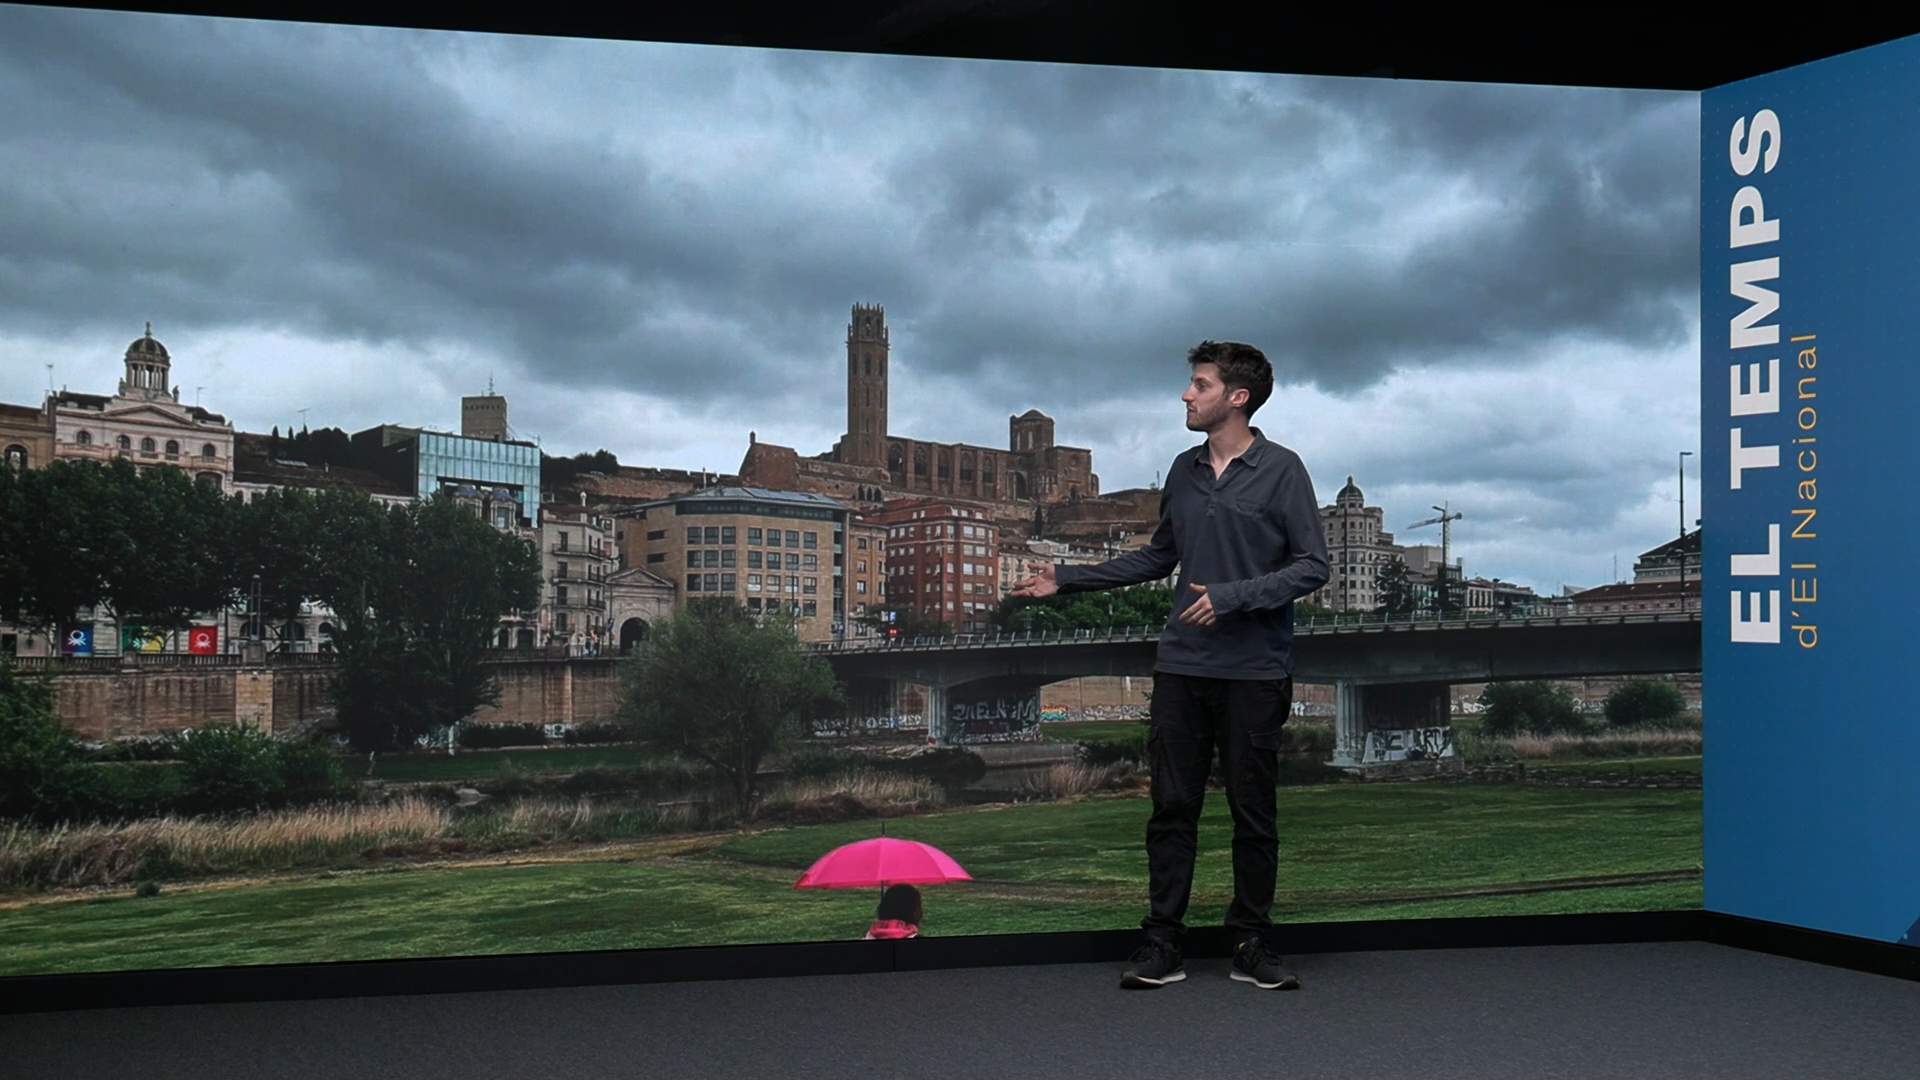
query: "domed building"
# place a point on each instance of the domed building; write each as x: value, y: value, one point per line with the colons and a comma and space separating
x: 144, y: 421
x: 1358, y: 548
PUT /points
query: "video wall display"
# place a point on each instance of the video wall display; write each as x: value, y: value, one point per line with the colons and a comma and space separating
x: 475, y: 495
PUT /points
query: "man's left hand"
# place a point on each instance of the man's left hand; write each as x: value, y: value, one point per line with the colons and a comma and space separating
x: 1200, y: 612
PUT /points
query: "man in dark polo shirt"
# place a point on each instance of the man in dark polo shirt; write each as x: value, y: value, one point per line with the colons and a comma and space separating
x: 1239, y: 518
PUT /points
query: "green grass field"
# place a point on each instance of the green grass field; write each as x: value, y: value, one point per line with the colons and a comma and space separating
x: 1347, y: 852
x: 1092, y: 731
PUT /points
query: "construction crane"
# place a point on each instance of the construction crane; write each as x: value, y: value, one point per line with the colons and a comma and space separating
x: 1445, y: 521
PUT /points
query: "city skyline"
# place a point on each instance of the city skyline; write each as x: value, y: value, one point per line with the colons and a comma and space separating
x: 1483, y: 296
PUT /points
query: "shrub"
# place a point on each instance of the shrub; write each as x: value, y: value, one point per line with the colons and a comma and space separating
x: 488, y: 736
x: 597, y: 733
x: 43, y: 775
x: 949, y: 766
x: 311, y: 772
x: 1536, y: 708
x: 230, y: 768
x: 1644, y: 701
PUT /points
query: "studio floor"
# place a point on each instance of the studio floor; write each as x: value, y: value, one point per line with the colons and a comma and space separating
x: 1642, y: 1011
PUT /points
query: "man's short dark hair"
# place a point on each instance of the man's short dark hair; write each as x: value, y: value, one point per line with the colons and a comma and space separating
x: 1242, y: 367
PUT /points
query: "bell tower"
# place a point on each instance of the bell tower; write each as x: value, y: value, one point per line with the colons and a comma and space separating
x: 867, y: 384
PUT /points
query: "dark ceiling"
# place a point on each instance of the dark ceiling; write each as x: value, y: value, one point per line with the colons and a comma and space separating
x: 1575, y: 45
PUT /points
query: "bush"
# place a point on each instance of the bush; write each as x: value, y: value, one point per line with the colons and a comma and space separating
x: 815, y: 762
x: 597, y: 733
x: 230, y: 768
x: 488, y: 736
x: 235, y: 769
x: 1644, y: 701
x: 1534, y: 708
x: 950, y: 766
x: 43, y: 775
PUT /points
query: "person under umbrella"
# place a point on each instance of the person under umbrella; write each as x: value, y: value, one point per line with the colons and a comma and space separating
x: 899, y: 914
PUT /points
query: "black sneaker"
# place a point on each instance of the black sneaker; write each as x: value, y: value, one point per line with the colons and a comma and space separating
x: 1155, y: 963
x: 1253, y: 964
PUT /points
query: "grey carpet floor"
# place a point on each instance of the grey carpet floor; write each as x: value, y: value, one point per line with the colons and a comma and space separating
x: 1644, y: 1011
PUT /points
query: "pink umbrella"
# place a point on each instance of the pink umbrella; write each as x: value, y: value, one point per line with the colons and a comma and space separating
x: 881, y: 862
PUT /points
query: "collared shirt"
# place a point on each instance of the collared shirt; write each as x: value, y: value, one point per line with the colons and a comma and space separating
x: 1252, y: 536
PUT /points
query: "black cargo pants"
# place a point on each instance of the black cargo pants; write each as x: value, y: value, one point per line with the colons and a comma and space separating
x: 1192, y: 715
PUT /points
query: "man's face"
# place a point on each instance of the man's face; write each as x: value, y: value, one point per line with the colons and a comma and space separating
x: 1209, y: 402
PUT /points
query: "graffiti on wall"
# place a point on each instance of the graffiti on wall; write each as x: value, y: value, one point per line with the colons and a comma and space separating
x: 1409, y: 744
x: 840, y: 727
x: 995, y: 720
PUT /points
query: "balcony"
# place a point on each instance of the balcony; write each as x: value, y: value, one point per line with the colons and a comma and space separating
x: 580, y: 553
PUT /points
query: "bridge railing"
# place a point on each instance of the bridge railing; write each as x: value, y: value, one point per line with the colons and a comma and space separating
x: 1318, y: 624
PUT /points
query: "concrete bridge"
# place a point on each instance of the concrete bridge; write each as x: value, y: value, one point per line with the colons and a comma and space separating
x: 1390, y: 674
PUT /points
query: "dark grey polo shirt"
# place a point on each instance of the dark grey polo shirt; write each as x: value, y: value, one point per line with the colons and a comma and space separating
x: 1252, y: 536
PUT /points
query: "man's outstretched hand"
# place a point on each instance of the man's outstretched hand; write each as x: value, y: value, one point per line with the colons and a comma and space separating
x: 1200, y: 612
x: 1038, y: 583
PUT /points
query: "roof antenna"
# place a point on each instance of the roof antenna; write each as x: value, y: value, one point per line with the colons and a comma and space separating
x: 489, y: 384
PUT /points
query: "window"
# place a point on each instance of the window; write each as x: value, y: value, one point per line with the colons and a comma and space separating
x: 713, y: 583
x: 563, y: 539
x: 793, y: 562
x: 753, y: 604
x: 811, y: 586
x: 711, y: 557
x: 727, y: 534
x: 560, y: 595
x: 125, y: 443
x: 693, y: 534
x: 773, y: 537
x: 560, y: 621
x: 860, y: 587
x: 727, y: 582
x: 562, y: 573
x: 753, y: 536
x: 753, y: 560
x: 728, y: 559
x: 753, y: 583
x: 811, y: 540
x: 793, y: 539
x: 811, y: 609
x: 863, y: 567
x: 173, y: 448
x: 657, y: 534
x: 693, y: 582
x: 656, y: 557
x: 861, y: 543
x: 83, y: 438
x: 811, y: 562
x: 693, y: 558
x: 713, y: 534
x: 146, y: 446
x: 793, y: 586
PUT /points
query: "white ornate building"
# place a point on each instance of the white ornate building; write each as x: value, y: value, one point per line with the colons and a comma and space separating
x: 144, y: 421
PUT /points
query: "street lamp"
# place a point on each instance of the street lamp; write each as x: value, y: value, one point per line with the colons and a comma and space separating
x: 1681, y: 551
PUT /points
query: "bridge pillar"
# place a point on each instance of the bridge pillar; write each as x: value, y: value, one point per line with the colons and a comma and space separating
x: 937, y: 713
x: 1387, y: 723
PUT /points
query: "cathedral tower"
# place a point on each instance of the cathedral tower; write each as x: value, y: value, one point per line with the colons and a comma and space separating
x: 867, y: 385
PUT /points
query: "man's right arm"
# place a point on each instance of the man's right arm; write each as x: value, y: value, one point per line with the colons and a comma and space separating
x: 1150, y: 563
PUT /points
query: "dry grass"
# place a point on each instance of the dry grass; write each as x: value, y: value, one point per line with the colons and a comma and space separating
x: 1654, y: 743
x: 1070, y: 781
x: 870, y: 787
x: 74, y: 856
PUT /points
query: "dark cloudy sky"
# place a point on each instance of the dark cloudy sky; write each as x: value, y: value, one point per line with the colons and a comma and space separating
x: 1486, y: 295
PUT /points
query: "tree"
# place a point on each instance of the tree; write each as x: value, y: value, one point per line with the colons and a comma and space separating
x: 169, y: 545
x: 1394, y: 589
x: 1536, y: 708
x: 42, y: 775
x: 59, y: 542
x: 1643, y: 701
x: 417, y: 593
x: 715, y: 685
